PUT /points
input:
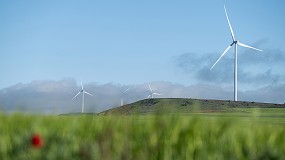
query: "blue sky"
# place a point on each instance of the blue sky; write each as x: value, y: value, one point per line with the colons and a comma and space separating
x: 128, y: 42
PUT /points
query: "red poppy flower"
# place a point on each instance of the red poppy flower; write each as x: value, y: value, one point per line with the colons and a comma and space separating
x: 37, y: 141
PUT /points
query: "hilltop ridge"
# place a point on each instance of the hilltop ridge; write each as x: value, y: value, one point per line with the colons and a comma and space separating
x: 185, y: 105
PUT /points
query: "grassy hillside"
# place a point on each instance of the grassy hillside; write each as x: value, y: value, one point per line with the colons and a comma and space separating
x: 180, y: 105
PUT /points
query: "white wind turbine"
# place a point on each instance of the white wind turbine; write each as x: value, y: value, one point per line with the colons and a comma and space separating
x: 83, y: 92
x: 152, y: 92
x: 236, y: 43
x: 122, y: 99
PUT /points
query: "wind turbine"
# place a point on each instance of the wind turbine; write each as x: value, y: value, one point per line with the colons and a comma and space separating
x: 83, y: 92
x: 235, y: 43
x: 152, y: 93
x: 122, y: 99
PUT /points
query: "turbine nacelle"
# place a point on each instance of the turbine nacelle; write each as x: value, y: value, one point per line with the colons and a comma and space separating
x: 234, y: 42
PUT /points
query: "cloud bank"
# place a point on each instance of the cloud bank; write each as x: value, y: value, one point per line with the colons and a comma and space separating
x: 255, y: 69
x: 55, y: 97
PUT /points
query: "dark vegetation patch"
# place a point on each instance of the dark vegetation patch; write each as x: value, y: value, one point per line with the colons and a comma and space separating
x: 149, y: 102
x: 186, y: 103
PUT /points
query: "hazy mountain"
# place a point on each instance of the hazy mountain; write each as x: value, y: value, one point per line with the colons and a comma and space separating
x: 49, y: 96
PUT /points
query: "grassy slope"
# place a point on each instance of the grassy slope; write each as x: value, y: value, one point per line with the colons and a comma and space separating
x: 180, y: 105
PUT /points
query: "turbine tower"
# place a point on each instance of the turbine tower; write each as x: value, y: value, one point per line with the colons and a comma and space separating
x: 122, y: 99
x: 235, y: 43
x: 83, y: 92
x: 152, y: 93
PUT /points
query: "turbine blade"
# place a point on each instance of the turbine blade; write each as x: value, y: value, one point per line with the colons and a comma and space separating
x: 247, y: 46
x: 88, y: 93
x: 149, y: 96
x: 126, y: 90
x: 232, y: 32
x: 157, y: 94
x: 81, y: 84
x: 149, y: 87
x: 76, y: 95
x: 221, y: 56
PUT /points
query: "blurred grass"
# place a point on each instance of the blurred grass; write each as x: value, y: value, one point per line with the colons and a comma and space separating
x: 253, y: 135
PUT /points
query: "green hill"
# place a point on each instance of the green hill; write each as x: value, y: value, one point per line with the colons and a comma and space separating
x: 181, y: 105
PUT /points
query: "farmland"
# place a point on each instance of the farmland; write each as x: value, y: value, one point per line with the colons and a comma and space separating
x: 233, y: 133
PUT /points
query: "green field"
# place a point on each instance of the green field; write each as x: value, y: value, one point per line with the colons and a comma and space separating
x: 191, y: 136
x: 186, y: 130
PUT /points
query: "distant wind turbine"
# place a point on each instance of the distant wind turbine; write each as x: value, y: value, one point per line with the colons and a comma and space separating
x: 152, y: 93
x: 122, y: 99
x: 83, y: 92
x: 236, y: 43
